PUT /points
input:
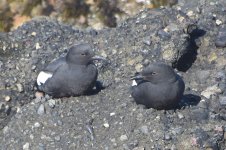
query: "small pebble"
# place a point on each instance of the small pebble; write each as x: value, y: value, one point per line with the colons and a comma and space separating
x: 147, y: 41
x: 145, y: 27
x: 39, y: 95
x: 31, y: 136
x: 190, y: 13
x: 7, y: 98
x: 219, y: 128
x: 4, y: 48
x: 52, y: 103
x: 106, y: 125
x: 103, y: 54
x: 41, y: 109
x: 33, y: 67
x: 113, y: 140
x: 158, y: 117
x: 20, y: 87
x: 112, y: 114
x: 203, y: 104
x: 167, y: 137
x: 18, y: 109
x: 5, y: 130
x: 37, y: 46
x: 33, y: 33
x: 123, y: 138
x: 180, y: 115
x: 37, y: 125
x: 26, y: 146
x: 7, y: 109
x: 218, y: 22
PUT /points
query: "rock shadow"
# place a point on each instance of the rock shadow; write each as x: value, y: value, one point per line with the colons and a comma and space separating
x: 187, y: 59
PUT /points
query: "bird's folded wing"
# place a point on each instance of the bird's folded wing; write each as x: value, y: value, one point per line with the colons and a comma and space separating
x: 54, y: 65
x: 48, y: 72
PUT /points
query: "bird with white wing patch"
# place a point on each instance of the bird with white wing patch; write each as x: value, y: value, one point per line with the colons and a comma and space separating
x: 72, y: 75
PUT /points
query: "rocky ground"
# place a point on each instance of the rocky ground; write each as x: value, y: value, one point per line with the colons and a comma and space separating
x: 186, y: 37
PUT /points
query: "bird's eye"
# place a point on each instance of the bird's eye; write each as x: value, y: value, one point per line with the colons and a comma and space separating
x: 85, y: 54
x: 153, y: 73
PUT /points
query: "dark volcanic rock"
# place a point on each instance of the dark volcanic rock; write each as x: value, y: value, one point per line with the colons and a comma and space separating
x: 111, y: 119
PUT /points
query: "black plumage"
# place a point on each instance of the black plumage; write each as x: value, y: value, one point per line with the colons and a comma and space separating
x: 158, y: 86
x: 72, y: 75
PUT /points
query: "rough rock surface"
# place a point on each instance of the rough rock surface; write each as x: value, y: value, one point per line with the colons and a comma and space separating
x: 111, y: 119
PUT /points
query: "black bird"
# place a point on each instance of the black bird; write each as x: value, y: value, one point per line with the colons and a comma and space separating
x: 72, y: 75
x: 158, y: 86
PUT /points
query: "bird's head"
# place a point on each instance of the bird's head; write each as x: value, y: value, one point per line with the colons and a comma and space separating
x: 81, y: 54
x: 156, y: 73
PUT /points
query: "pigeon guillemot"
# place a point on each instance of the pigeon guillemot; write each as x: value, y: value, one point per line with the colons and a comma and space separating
x: 158, y: 86
x: 72, y: 75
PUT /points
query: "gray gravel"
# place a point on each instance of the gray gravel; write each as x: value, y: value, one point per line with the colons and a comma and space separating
x: 111, y: 119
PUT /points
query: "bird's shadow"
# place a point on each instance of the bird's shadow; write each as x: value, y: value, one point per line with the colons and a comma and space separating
x: 189, y: 100
x: 97, y: 88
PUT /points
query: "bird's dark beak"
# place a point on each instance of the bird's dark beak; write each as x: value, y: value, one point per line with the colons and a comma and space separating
x: 137, y: 77
x: 105, y: 61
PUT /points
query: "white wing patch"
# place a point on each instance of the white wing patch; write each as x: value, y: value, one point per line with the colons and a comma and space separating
x: 42, y: 77
x: 134, y: 83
